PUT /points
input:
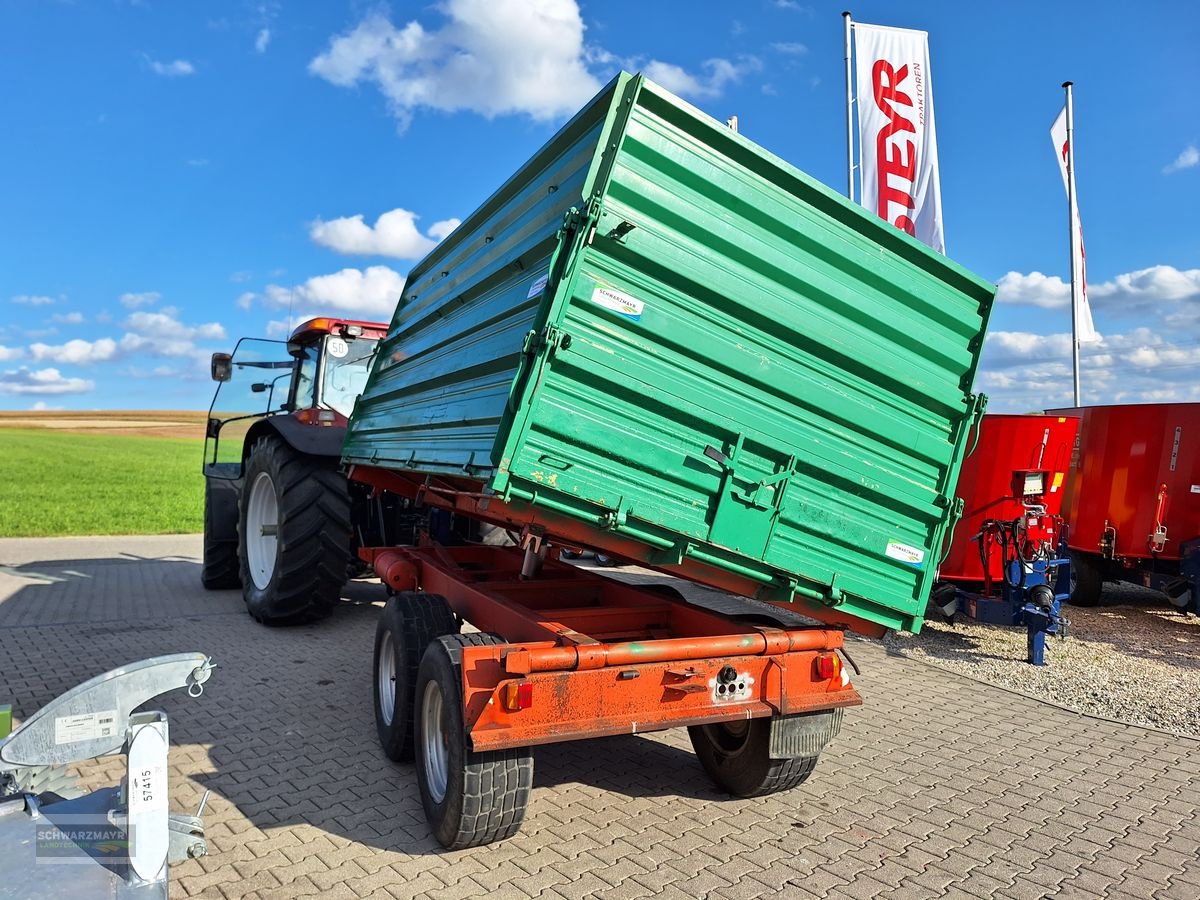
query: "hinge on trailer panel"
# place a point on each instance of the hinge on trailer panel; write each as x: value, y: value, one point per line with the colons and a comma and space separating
x: 835, y: 592
x: 671, y: 556
x: 617, y: 520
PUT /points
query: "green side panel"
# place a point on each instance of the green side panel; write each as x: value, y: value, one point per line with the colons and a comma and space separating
x: 438, y: 390
x: 733, y: 364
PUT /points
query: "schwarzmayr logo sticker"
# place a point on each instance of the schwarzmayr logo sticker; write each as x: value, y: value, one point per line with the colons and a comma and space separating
x: 609, y: 298
x: 905, y: 553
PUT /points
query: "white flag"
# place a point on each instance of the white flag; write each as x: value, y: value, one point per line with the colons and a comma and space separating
x: 1085, y: 330
x: 896, y: 138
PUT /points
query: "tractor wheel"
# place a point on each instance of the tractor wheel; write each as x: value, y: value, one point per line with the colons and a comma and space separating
x: 736, y: 756
x: 295, y: 534
x: 470, y: 798
x: 408, y: 624
x: 220, y: 570
x: 1087, y: 579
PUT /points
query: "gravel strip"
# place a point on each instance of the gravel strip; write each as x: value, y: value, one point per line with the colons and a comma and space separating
x: 1133, y: 658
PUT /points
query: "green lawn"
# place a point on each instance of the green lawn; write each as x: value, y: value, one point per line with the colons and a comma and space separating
x: 55, y: 483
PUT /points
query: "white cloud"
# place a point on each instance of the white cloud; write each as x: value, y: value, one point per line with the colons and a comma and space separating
x: 42, y: 381
x: 71, y: 318
x: 164, y: 324
x: 717, y: 74
x: 370, y: 292
x: 246, y: 299
x: 492, y: 57
x: 174, y: 69
x: 1187, y: 159
x: 394, y: 234
x: 1025, y: 371
x: 146, y: 298
x: 162, y: 334
x: 1034, y: 289
x: 43, y: 406
x: 75, y: 352
x: 281, y: 328
x: 1151, y: 286
x: 263, y: 39
x: 7, y: 353
x: 790, y: 48
x: 198, y: 163
x: 241, y: 277
x: 33, y: 300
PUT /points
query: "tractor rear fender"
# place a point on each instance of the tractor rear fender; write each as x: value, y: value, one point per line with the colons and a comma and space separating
x: 311, y: 440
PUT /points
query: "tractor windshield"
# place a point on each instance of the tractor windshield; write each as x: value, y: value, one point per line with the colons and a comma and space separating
x: 346, y: 364
x: 259, y: 385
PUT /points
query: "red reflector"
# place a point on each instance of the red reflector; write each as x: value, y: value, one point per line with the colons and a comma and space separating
x: 829, y: 666
x: 518, y: 695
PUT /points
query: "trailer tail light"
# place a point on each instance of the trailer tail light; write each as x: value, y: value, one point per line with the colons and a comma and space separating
x: 829, y: 666
x: 518, y: 695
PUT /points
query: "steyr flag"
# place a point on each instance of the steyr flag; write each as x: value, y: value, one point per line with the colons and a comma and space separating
x: 1085, y: 330
x: 896, y: 138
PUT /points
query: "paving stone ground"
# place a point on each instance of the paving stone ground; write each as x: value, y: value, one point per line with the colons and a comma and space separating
x: 937, y: 787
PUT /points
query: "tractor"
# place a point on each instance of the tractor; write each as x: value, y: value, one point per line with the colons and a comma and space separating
x: 281, y: 521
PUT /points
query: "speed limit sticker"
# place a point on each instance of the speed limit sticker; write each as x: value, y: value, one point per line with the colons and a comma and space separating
x: 337, y: 347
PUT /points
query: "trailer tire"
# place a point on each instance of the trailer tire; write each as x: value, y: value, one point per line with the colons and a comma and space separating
x: 220, y: 569
x: 470, y: 798
x: 1087, y: 580
x: 408, y: 624
x: 297, y: 577
x: 736, y: 756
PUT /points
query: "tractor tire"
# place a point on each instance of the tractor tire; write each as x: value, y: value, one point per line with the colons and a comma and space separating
x: 220, y: 570
x: 736, y: 756
x: 409, y: 623
x: 295, y: 534
x: 1087, y: 579
x: 470, y: 798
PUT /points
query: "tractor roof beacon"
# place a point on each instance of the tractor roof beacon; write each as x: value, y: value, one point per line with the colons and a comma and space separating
x: 274, y: 435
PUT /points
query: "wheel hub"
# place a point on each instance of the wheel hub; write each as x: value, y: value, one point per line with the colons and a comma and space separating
x: 262, y: 526
x: 434, y: 753
x: 386, y: 678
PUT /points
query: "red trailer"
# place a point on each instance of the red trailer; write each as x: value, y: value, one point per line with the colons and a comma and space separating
x: 1017, y: 459
x: 1133, y: 502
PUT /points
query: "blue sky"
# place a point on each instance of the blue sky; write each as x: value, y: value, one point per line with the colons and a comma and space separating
x: 176, y: 174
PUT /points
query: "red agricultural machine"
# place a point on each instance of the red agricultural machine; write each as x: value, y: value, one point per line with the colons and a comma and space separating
x: 274, y: 438
x: 1133, y: 501
x: 1003, y: 564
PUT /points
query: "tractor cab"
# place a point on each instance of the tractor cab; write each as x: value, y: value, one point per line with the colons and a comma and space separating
x: 309, y: 381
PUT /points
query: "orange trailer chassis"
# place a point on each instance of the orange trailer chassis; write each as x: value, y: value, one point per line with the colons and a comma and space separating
x: 589, y: 656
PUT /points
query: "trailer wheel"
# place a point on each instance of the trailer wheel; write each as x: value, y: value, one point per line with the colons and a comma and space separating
x: 736, y: 757
x: 407, y: 625
x: 220, y: 569
x: 294, y: 534
x: 470, y: 798
x: 1087, y: 580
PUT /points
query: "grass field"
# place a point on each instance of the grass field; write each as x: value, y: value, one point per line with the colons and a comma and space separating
x: 100, y: 473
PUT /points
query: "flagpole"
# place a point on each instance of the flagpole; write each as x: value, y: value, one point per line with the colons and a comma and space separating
x: 1073, y: 216
x: 849, y: 24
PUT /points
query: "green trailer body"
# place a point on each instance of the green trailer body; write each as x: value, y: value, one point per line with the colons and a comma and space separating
x: 661, y: 331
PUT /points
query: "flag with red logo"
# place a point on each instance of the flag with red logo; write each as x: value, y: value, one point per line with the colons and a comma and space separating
x: 897, y: 142
x: 1085, y: 330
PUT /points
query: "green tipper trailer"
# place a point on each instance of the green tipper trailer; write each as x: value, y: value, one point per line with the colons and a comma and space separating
x: 658, y: 341
x: 665, y: 334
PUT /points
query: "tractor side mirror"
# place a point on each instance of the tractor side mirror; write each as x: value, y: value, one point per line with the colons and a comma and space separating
x: 222, y: 367
x: 259, y: 387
